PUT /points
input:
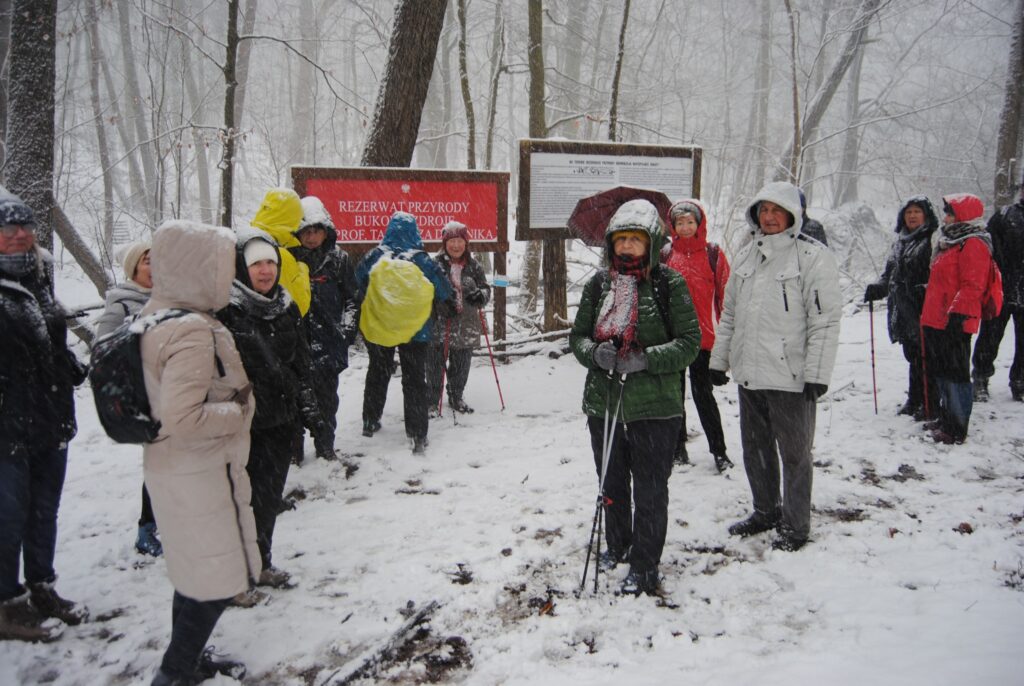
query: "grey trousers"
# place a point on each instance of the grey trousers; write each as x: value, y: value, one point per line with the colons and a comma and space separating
x: 774, y: 424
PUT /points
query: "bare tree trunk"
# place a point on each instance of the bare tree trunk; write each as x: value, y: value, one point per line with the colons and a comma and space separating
x: 242, y: 61
x: 1008, y: 142
x: 794, y: 157
x: 304, y: 100
x: 229, y: 132
x: 467, y: 99
x: 823, y: 98
x: 613, y: 111
x: 817, y: 76
x: 79, y: 249
x: 5, y: 46
x: 31, y: 107
x: 848, y: 166
x: 530, y: 289
x: 206, y: 206
x: 497, y: 68
x: 144, y: 147
x: 403, y: 89
x: 101, y: 133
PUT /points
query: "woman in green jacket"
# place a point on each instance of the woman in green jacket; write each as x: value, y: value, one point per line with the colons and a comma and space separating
x: 635, y: 331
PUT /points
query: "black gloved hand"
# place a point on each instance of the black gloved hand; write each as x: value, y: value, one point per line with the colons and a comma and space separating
x: 477, y: 297
x: 634, y: 361
x: 875, y: 291
x: 605, y: 354
x: 813, y: 391
x: 955, y: 324
x: 718, y: 377
x: 446, y: 309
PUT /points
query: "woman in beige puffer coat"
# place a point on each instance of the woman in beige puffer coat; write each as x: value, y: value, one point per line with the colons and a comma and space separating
x: 195, y: 470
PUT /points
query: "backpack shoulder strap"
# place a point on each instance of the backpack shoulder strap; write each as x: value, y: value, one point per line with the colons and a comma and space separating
x: 713, y: 250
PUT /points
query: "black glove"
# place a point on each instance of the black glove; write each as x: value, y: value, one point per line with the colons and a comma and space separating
x: 718, y: 377
x: 955, y: 324
x: 605, y: 354
x: 813, y: 391
x: 311, y: 418
x: 476, y: 297
x: 875, y: 291
x: 634, y: 361
x: 243, y: 394
x: 445, y: 309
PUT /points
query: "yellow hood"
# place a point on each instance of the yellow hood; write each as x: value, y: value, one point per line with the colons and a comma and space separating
x: 279, y: 215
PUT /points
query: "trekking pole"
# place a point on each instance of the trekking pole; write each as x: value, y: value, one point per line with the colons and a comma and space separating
x: 924, y: 372
x: 874, y: 384
x: 444, y: 365
x: 483, y: 323
x: 608, y: 436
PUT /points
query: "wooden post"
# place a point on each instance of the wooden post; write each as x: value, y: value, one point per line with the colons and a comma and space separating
x: 555, y: 302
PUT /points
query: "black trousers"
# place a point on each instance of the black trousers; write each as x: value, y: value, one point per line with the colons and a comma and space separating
x: 704, y: 399
x: 192, y: 622
x: 146, y: 516
x: 413, y: 358
x: 270, y: 455
x: 987, y: 346
x: 917, y: 383
x: 325, y: 388
x: 949, y: 363
x: 641, y: 453
x: 456, y: 375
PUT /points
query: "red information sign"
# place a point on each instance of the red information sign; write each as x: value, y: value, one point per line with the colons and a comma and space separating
x: 361, y: 207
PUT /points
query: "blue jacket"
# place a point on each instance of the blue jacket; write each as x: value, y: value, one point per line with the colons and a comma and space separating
x: 402, y: 241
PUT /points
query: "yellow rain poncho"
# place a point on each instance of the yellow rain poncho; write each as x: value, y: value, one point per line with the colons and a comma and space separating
x: 279, y: 215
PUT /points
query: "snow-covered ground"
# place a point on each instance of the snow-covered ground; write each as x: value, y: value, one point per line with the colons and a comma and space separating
x: 493, y: 522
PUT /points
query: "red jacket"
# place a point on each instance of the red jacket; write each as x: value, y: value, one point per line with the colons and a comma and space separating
x: 956, y: 285
x: 689, y: 257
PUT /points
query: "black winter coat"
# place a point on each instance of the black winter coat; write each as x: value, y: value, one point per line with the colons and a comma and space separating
x: 463, y: 328
x: 906, y: 274
x: 38, y: 373
x: 1007, y: 230
x: 333, y: 318
x: 272, y: 344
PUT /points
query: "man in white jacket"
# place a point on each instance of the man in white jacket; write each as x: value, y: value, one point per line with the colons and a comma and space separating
x: 778, y: 335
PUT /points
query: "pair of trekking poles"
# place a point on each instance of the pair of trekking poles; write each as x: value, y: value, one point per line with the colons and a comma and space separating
x: 444, y: 365
x: 608, y: 437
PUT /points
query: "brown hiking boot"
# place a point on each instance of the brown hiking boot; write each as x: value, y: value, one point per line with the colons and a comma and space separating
x: 250, y: 598
x: 19, y: 621
x: 50, y: 604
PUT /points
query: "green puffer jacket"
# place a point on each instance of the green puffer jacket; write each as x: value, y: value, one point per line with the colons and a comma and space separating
x: 655, y: 392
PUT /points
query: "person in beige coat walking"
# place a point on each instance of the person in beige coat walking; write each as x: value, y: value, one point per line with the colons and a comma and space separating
x: 195, y: 470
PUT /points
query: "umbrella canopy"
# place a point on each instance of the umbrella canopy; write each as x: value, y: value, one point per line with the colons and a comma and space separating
x: 589, y: 219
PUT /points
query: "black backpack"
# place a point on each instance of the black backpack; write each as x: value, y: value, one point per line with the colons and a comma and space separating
x: 118, y: 385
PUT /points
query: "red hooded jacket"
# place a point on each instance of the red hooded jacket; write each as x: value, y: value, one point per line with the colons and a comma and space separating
x: 689, y: 257
x: 959, y: 272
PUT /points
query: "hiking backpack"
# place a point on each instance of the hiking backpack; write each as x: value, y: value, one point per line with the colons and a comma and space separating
x: 117, y: 381
x: 397, y: 302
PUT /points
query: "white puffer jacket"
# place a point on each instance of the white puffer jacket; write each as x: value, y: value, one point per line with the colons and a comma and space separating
x: 780, y: 324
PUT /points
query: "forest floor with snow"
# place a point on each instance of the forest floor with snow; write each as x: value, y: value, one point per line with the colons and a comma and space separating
x: 914, y: 575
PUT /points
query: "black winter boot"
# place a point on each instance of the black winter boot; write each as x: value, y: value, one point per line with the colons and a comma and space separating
x: 419, y: 445
x: 459, y: 405
x: 20, y: 621
x: 788, y: 541
x: 755, y: 524
x: 636, y: 582
x: 50, y: 604
x: 212, y: 663
x: 162, y: 678
x: 370, y: 427
x: 980, y: 389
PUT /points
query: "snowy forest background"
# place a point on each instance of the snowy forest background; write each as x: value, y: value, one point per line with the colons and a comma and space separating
x: 888, y: 98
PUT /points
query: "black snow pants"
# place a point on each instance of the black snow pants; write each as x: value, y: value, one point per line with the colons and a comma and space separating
x: 637, y: 518
x: 270, y: 455
x: 413, y: 358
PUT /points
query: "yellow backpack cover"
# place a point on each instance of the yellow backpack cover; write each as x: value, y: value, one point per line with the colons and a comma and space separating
x: 397, y: 303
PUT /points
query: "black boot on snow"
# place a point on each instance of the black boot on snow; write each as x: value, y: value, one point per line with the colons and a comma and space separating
x: 419, y: 445
x: 636, y: 582
x: 909, y: 408
x: 146, y: 541
x: 680, y: 456
x: 50, y: 604
x: 981, y: 389
x: 755, y: 524
x: 609, y: 559
x: 162, y: 678
x: 722, y: 463
x: 211, y: 664
x: 370, y: 427
x: 788, y: 541
x: 459, y: 405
